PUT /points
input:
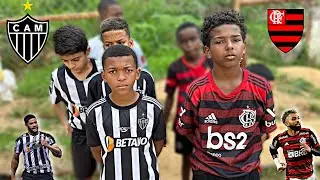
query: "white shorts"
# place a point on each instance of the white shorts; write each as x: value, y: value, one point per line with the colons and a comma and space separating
x: 313, y: 177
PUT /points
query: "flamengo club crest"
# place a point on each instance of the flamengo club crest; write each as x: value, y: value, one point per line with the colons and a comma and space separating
x: 285, y: 27
x: 27, y: 35
x: 247, y: 117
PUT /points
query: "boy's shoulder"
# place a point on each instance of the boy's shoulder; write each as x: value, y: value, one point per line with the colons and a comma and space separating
x: 95, y: 105
x: 152, y: 101
x: 176, y: 64
x: 198, y: 84
x: 257, y: 80
x: 54, y: 73
x: 145, y: 74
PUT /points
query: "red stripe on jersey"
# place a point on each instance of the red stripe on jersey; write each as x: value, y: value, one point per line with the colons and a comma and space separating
x: 171, y: 82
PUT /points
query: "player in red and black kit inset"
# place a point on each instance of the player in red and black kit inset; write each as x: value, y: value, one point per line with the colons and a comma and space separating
x: 192, y: 65
x: 227, y: 111
x: 298, y: 145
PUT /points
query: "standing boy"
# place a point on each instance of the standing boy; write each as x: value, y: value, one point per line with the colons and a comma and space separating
x: 192, y: 65
x: 227, y: 111
x: 69, y: 87
x: 125, y: 130
x: 116, y: 31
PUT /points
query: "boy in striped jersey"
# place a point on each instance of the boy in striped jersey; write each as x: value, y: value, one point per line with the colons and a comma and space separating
x: 116, y: 31
x: 125, y: 130
x: 192, y: 65
x: 298, y: 145
x: 227, y: 111
x: 69, y: 87
x: 35, y: 146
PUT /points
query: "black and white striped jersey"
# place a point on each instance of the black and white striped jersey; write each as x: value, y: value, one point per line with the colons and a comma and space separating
x: 99, y: 89
x: 66, y: 87
x: 36, y: 156
x: 126, y: 135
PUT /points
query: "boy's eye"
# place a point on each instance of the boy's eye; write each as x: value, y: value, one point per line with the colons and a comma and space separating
x: 129, y: 70
x: 218, y: 42
x: 112, y: 71
x: 237, y: 40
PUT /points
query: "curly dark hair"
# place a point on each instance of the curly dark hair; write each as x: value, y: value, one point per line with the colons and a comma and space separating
x: 113, y: 24
x: 229, y: 16
x: 286, y: 113
x: 118, y: 50
x: 69, y: 40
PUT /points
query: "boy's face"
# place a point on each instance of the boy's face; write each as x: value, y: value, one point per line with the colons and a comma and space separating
x: 110, y: 38
x: 32, y: 125
x: 76, y: 62
x: 120, y: 73
x: 113, y: 10
x: 189, y: 41
x: 226, y: 45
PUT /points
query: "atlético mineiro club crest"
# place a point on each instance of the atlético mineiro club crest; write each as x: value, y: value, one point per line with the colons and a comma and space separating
x: 285, y: 27
x: 27, y: 36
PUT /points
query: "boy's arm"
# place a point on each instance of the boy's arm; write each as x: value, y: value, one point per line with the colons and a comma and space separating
x: 50, y: 143
x: 269, y: 124
x: 171, y: 84
x: 314, y: 147
x: 96, y: 152
x: 159, y: 132
x: 167, y: 108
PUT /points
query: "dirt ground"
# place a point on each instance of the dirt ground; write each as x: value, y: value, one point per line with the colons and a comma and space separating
x: 170, y: 162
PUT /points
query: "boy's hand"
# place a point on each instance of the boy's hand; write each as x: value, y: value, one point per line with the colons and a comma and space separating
x: 305, y: 147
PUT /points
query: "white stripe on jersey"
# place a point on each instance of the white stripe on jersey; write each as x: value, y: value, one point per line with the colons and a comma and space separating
x: 39, y: 157
x: 116, y: 151
x: 104, y: 89
x: 102, y: 135
x: 27, y: 163
x: 152, y: 100
x: 150, y: 115
x: 134, y: 151
x: 135, y: 85
x: 144, y: 86
x: 72, y: 88
x: 33, y: 163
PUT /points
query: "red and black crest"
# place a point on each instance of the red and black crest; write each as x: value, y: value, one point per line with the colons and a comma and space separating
x: 285, y: 27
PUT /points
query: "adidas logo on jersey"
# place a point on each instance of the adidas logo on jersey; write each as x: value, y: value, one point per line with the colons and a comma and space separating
x: 211, y: 119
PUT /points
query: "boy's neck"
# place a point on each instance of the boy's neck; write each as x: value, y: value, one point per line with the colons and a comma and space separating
x: 220, y: 73
x: 193, y: 59
x: 124, y: 100
x: 85, y: 71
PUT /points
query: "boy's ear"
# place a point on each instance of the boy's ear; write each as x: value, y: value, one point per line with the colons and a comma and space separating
x: 206, y: 51
x: 138, y: 73
x: 131, y: 43
x: 88, y: 51
x: 103, y: 76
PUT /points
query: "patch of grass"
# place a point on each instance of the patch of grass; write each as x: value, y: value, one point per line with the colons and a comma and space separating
x: 19, y: 112
x: 7, y: 140
x: 294, y: 86
x: 314, y: 107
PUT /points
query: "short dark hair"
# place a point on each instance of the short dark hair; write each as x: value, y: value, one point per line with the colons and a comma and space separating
x: 262, y: 71
x: 229, y: 16
x: 286, y: 113
x: 113, y: 24
x: 28, y: 117
x: 185, y: 26
x: 69, y: 40
x: 103, y: 4
x: 118, y: 51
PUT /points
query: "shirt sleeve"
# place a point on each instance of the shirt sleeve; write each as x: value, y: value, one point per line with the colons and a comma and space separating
x: 92, y: 134
x: 94, y: 90
x: 171, y: 82
x: 19, y: 146
x: 269, y: 124
x: 54, y: 93
x: 273, y: 148
x: 188, y: 114
x: 313, y: 140
x: 159, y: 129
x: 150, y: 91
x: 50, y: 139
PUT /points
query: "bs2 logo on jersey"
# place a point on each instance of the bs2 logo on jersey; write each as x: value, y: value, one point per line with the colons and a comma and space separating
x: 27, y: 36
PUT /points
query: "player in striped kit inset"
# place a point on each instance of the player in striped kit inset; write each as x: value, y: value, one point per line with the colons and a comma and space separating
x: 298, y: 145
x: 35, y: 146
x: 126, y: 129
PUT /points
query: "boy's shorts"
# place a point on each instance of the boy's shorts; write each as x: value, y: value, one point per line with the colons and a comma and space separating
x: 39, y: 176
x: 183, y: 145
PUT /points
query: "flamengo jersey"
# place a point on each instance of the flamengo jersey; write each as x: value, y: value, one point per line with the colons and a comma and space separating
x: 126, y: 135
x: 299, y: 162
x: 99, y: 89
x: 226, y: 129
x: 181, y: 73
x: 36, y: 156
x: 66, y: 87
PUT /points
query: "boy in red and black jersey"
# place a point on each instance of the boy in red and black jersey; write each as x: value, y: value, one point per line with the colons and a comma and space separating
x: 298, y: 145
x: 227, y: 111
x: 192, y: 65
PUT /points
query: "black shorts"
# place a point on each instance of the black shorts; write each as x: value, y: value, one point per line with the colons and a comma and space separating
x: 183, y: 145
x: 40, y: 176
x: 84, y: 164
x: 201, y: 175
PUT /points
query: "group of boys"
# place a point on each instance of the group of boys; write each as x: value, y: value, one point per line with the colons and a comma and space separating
x: 223, y: 110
